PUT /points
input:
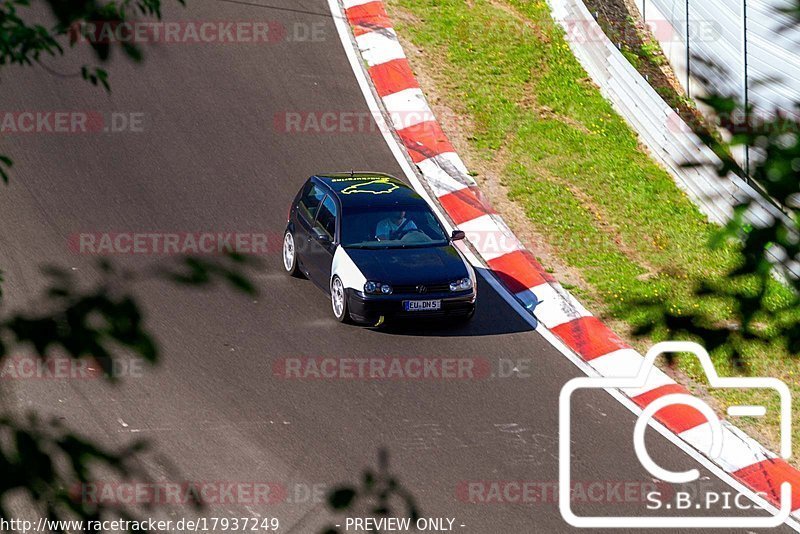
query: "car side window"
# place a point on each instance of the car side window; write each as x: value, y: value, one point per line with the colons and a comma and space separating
x: 326, y: 218
x: 310, y: 201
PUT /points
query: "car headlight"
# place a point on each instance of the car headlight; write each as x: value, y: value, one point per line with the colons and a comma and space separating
x: 461, y: 285
x: 377, y: 288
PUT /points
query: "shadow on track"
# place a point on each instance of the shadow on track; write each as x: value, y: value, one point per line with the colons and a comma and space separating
x: 493, y: 316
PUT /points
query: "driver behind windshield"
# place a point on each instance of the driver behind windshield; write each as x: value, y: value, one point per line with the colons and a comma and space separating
x: 394, y: 226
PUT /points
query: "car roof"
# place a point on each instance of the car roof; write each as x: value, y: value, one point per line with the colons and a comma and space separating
x: 370, y: 189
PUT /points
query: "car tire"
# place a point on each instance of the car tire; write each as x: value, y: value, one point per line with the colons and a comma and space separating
x: 290, y: 254
x: 339, y: 301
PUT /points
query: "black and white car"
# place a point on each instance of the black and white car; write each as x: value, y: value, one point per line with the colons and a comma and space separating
x: 376, y: 247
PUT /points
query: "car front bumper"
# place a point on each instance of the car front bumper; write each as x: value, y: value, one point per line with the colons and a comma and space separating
x: 370, y: 308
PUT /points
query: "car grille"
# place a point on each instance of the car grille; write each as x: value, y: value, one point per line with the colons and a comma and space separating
x: 421, y: 289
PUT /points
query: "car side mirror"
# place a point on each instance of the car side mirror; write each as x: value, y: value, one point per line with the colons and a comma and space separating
x: 320, y: 236
x: 458, y: 235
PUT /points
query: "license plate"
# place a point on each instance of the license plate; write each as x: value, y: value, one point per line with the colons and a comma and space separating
x: 422, y: 305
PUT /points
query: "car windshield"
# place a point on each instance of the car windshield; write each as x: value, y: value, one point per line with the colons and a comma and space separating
x: 391, y: 227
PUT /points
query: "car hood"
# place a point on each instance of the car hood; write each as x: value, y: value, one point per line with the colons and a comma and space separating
x: 402, y: 266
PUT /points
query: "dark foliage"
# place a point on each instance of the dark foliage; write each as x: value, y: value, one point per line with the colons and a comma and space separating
x: 45, y: 461
x: 766, y: 251
x: 377, y: 494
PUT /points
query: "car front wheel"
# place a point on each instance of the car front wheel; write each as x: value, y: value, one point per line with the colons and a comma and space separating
x: 339, y: 301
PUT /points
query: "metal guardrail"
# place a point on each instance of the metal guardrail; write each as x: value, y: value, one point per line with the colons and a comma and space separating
x: 669, y: 139
x: 747, y: 42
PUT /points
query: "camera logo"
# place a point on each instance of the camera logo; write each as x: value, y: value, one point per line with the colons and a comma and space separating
x: 714, y: 451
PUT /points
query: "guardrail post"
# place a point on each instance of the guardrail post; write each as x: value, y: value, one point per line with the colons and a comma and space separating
x: 745, y: 90
x: 688, y: 54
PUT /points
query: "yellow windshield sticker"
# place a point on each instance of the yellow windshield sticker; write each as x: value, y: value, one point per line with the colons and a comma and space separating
x: 377, y: 186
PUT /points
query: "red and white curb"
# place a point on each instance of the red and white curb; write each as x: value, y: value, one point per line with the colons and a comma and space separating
x: 442, y: 169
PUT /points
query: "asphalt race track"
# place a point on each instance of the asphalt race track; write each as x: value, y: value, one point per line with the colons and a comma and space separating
x: 210, y: 158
